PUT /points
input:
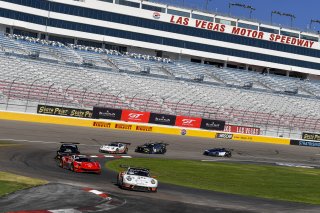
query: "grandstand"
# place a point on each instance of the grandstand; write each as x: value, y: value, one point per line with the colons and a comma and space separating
x: 44, y: 68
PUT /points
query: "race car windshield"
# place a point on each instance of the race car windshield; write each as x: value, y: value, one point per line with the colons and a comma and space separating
x: 113, y: 144
x: 143, y: 173
x: 84, y: 160
x: 69, y: 149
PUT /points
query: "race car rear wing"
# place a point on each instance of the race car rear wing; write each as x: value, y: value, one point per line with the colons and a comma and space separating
x: 127, y: 166
x: 70, y: 142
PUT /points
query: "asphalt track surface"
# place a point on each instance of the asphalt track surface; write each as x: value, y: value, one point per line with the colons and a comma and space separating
x: 34, y: 155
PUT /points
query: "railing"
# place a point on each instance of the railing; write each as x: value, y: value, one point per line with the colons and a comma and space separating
x: 24, y: 96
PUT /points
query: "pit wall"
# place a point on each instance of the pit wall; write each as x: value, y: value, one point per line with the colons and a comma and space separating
x: 134, y: 127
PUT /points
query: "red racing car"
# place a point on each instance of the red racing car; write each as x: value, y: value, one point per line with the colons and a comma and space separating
x: 80, y: 163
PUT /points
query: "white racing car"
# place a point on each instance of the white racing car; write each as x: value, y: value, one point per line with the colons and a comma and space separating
x: 137, y: 179
x: 115, y: 148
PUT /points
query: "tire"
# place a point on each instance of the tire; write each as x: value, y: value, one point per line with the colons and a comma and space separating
x: 126, y: 151
x: 228, y: 155
x: 117, y: 151
x: 60, y: 163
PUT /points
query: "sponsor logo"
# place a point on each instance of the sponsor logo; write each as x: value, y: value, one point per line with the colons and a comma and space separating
x: 309, y: 143
x: 187, y: 121
x: 311, y: 136
x: 64, y: 111
x: 107, y: 114
x: 144, y: 128
x: 183, y: 131
x: 102, y: 124
x: 135, y: 115
x: 123, y: 126
x: 156, y: 15
x: 162, y: 119
x: 224, y: 135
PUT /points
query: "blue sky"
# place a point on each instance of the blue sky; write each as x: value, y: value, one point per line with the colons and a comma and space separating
x: 304, y: 10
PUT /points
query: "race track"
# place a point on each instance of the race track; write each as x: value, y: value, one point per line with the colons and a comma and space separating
x: 38, y: 143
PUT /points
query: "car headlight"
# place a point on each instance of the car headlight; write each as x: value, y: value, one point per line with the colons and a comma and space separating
x: 129, y: 178
x: 153, y: 181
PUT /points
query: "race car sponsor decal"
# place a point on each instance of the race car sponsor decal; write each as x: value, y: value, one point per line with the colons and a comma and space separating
x: 224, y: 135
x: 64, y: 111
x: 101, y: 124
x: 144, y: 128
x: 212, y: 124
x: 310, y: 136
x: 135, y: 116
x: 106, y: 113
x: 123, y: 126
x: 304, y: 143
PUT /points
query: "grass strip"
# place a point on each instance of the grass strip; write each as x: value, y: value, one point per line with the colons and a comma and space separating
x: 274, y: 182
x: 10, y: 183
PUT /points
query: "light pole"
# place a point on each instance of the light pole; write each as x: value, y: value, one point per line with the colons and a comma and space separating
x: 243, y: 6
x: 283, y: 14
x: 313, y: 21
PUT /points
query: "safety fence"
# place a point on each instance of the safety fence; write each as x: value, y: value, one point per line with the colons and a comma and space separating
x: 20, y: 95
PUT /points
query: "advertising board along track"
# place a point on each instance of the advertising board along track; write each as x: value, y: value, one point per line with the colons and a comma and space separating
x: 134, y: 127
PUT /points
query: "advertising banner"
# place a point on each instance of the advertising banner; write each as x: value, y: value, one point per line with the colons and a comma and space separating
x: 191, y: 122
x: 242, y: 129
x: 163, y: 119
x: 311, y: 136
x: 304, y: 143
x: 102, y: 124
x: 64, y: 111
x: 212, y: 124
x: 224, y: 135
x: 144, y: 128
x: 106, y: 113
x: 135, y: 116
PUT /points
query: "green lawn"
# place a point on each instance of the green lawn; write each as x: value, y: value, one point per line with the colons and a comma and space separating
x: 280, y: 183
x: 10, y: 183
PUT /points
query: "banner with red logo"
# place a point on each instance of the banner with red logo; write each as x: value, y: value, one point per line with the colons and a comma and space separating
x: 135, y: 116
x: 184, y: 121
x: 242, y: 129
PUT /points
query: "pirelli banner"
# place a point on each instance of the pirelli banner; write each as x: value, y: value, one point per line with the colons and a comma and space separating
x: 106, y: 113
x: 64, y: 111
x: 310, y: 136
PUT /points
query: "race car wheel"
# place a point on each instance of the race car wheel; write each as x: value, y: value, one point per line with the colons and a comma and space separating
x: 228, y: 155
x: 117, y: 151
x: 60, y: 164
x: 126, y: 151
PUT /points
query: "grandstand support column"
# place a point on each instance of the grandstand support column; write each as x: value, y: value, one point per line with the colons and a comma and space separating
x: 65, y: 93
x: 28, y: 97
x: 8, y: 99
x: 45, y: 103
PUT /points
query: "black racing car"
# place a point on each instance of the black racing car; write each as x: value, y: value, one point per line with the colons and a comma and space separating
x: 218, y: 152
x: 67, y: 149
x: 152, y: 148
